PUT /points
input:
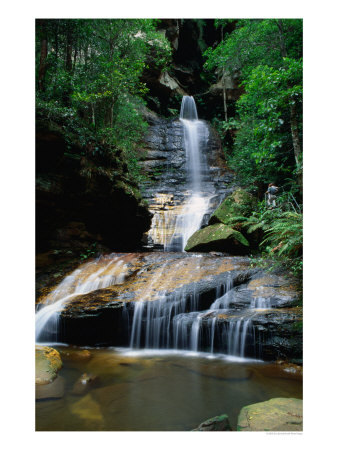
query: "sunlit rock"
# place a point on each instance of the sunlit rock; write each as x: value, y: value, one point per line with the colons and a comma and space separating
x: 277, y: 414
x: 47, y: 364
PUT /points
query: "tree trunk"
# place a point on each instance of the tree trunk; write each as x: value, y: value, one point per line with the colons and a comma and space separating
x: 93, y: 115
x: 224, y: 90
x: 75, y: 55
x: 68, y: 63
x: 293, y: 112
x: 69, y: 48
x: 43, y: 54
x: 56, y: 39
x: 296, y: 141
x: 224, y: 98
x: 112, y: 114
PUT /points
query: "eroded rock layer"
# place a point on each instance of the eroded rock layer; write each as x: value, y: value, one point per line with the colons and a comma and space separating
x: 167, y: 190
x: 189, y: 301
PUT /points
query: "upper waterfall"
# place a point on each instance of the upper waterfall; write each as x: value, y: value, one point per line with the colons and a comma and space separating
x: 188, y: 108
x: 179, y: 212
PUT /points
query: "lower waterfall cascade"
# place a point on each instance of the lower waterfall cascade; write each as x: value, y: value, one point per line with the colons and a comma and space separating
x: 206, y: 316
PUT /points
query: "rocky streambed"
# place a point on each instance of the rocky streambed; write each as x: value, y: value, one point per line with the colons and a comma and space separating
x: 101, y: 389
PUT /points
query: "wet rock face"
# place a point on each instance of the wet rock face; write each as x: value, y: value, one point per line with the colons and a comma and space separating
x: 164, y: 162
x: 148, y: 277
x: 238, y: 310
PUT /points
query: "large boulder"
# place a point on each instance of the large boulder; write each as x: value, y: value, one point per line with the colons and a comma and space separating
x: 239, y: 203
x: 217, y: 237
x: 47, y: 364
x: 276, y: 414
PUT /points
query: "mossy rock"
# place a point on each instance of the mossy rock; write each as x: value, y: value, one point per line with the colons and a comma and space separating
x: 239, y: 203
x: 47, y: 364
x: 276, y: 414
x: 218, y: 423
x: 217, y: 237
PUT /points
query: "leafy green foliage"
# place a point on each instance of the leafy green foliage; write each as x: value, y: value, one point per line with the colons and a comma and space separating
x: 92, y: 77
x: 282, y: 240
x: 285, y: 235
x: 89, y: 252
x: 266, y: 55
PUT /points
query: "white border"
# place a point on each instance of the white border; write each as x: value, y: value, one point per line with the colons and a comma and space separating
x: 17, y: 223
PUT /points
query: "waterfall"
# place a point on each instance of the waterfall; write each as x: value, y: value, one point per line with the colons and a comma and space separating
x: 168, y: 320
x: 94, y: 275
x: 188, y: 108
x: 197, y: 201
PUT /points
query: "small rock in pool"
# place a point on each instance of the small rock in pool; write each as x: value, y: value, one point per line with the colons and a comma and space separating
x: 85, y: 382
x: 218, y: 423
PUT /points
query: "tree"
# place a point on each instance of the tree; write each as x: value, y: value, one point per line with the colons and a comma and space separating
x: 92, y: 72
x: 267, y: 55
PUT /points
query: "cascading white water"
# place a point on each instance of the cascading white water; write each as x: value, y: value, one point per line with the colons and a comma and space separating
x: 90, y: 277
x: 171, y: 321
x: 195, y: 136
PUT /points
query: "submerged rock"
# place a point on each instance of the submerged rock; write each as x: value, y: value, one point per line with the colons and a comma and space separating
x: 276, y: 414
x: 47, y: 364
x: 76, y: 355
x: 217, y: 237
x: 88, y: 410
x: 293, y: 370
x: 218, y: 423
x: 84, y: 383
x: 50, y: 391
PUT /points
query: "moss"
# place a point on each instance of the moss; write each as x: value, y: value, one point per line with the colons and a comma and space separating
x: 239, y: 203
x: 48, y: 363
x: 276, y: 414
x: 217, y: 236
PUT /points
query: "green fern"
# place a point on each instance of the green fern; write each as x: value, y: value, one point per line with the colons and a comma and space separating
x: 286, y: 235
